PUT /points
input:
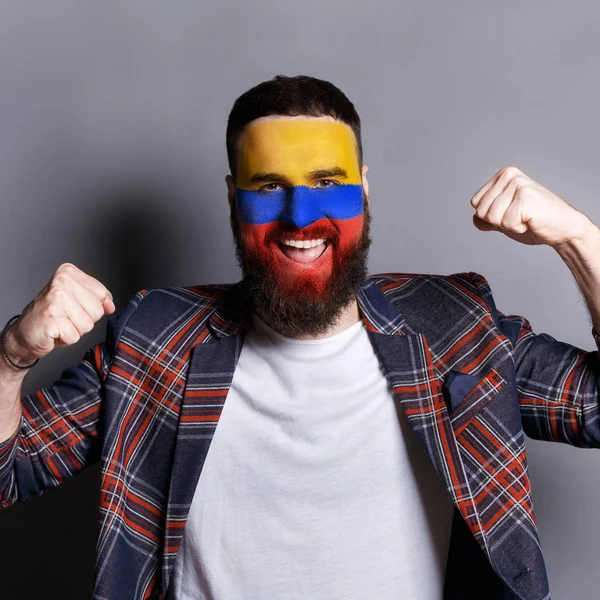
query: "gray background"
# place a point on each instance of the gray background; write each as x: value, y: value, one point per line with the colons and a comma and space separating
x: 112, y: 156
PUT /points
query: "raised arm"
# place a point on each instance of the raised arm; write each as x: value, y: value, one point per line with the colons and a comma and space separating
x: 558, y: 384
x: 67, y: 307
x: 49, y: 435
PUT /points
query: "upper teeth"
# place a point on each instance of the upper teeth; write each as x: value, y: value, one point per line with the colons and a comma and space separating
x: 302, y: 243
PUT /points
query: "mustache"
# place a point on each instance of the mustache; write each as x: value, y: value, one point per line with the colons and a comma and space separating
x: 280, y: 230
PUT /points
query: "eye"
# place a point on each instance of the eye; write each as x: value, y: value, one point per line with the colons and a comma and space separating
x: 270, y: 187
x: 326, y: 183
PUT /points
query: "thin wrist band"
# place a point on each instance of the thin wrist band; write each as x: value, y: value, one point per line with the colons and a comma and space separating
x: 3, y: 344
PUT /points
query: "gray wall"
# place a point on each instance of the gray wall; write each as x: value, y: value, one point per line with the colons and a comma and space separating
x: 112, y: 156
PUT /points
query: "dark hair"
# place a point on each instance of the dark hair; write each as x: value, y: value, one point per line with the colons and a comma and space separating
x: 290, y: 96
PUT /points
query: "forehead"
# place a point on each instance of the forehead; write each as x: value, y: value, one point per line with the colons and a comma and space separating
x: 282, y: 144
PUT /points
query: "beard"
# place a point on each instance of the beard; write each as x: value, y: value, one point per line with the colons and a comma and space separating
x: 304, y: 307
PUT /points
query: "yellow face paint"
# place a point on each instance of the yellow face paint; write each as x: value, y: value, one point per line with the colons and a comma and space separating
x: 295, y: 149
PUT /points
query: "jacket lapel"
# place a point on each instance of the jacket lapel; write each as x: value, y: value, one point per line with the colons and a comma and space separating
x: 406, y: 359
x: 472, y: 482
x: 211, y: 367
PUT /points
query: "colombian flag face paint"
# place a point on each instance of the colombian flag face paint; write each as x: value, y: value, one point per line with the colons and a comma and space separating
x: 299, y: 184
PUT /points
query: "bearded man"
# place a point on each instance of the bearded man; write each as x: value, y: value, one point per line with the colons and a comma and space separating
x: 310, y: 431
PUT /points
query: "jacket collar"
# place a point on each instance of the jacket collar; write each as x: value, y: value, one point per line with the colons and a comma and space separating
x: 234, y: 313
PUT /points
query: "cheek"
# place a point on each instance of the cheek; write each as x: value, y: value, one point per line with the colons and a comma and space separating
x: 350, y: 231
x: 253, y: 236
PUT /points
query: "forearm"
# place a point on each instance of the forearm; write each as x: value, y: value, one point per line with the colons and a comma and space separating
x: 10, y: 404
x: 582, y: 256
x: 11, y: 383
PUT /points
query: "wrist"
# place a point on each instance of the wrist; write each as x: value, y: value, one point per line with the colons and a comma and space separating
x: 583, y: 246
x: 8, y: 372
x: 13, y: 349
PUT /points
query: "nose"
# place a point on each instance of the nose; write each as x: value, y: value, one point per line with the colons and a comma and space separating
x: 299, y: 208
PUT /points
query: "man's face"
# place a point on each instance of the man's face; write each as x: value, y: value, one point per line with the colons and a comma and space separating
x: 298, y: 210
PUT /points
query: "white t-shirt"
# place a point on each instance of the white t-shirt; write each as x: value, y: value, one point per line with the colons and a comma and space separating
x: 314, y: 485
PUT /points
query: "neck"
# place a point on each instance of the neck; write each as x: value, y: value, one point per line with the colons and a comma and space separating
x: 349, y: 316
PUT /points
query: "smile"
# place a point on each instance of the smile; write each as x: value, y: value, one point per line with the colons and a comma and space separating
x: 303, y: 252
x: 303, y: 243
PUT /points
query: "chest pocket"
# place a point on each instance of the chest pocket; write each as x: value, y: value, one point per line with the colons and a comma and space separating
x: 467, y: 394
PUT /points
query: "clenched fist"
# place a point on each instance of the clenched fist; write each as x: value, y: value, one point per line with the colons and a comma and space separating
x: 525, y: 211
x: 67, y: 307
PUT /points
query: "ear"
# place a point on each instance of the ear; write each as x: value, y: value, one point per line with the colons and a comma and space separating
x: 230, y: 189
x: 365, y: 183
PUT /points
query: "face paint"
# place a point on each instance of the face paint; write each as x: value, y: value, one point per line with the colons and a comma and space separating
x: 299, y: 181
x: 300, y: 205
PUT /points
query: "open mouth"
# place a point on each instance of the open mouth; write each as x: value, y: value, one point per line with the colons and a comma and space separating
x: 303, y: 252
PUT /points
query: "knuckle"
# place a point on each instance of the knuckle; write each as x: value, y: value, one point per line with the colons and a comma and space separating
x: 99, y: 293
x: 60, y: 279
x: 56, y: 294
x: 67, y: 267
x: 521, y: 179
x: 510, y: 172
x: 50, y: 312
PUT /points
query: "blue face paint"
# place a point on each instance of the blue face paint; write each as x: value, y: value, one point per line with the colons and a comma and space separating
x: 299, y: 205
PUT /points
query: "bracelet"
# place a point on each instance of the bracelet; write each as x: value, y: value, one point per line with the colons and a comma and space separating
x: 3, y: 344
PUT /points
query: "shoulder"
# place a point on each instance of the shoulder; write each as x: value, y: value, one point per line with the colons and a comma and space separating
x: 425, y: 298
x: 455, y: 313
x: 406, y: 285
x: 151, y: 312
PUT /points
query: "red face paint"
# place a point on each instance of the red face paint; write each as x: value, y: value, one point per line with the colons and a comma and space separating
x: 297, y: 277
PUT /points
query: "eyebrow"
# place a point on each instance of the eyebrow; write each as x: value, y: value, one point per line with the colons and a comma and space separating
x: 333, y: 172
x: 268, y: 178
x: 318, y: 174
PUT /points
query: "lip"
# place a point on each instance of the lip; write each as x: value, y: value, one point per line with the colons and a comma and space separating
x: 311, y: 265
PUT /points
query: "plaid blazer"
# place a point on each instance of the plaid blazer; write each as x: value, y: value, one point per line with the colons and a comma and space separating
x: 146, y: 402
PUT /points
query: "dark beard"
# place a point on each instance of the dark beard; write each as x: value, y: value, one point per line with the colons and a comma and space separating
x: 303, y: 314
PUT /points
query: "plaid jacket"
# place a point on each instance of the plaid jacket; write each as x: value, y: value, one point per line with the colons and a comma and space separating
x: 146, y: 403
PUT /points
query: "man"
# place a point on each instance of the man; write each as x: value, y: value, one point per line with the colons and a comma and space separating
x: 309, y: 432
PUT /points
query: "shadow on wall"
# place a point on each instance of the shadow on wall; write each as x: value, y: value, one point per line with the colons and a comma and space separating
x: 133, y: 237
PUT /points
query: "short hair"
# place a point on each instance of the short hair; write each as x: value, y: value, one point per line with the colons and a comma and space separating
x: 290, y: 96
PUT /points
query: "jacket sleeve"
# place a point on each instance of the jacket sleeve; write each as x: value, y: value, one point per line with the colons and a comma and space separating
x: 558, y: 385
x: 58, y: 432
